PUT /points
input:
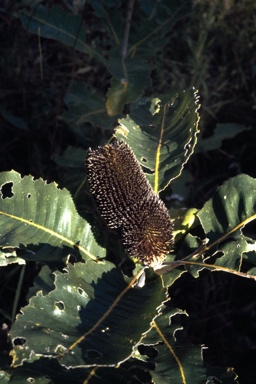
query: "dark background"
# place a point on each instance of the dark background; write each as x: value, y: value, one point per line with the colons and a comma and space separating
x: 213, y: 49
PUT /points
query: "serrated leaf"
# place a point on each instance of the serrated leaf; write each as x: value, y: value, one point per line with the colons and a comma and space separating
x: 162, y: 135
x: 93, y: 317
x: 57, y: 24
x: 49, y: 371
x: 181, y: 188
x: 44, y: 282
x: 223, y: 217
x: 188, y: 257
x: 176, y: 361
x: 170, y: 277
x: 34, y: 212
x: 232, y: 253
x: 232, y: 204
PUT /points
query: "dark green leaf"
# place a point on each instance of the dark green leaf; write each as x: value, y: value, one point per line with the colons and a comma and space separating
x: 130, y: 78
x: 222, y: 132
x: 49, y: 371
x: 4, y: 377
x: 177, y: 362
x: 44, y: 282
x: 57, y: 24
x: 85, y: 106
x: 71, y: 158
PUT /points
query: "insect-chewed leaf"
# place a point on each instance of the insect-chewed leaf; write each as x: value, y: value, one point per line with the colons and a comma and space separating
x: 127, y: 202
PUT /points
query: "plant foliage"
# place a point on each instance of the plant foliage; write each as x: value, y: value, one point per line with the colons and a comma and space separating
x: 92, y: 314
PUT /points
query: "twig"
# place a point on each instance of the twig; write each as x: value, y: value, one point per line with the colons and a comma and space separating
x: 127, y: 29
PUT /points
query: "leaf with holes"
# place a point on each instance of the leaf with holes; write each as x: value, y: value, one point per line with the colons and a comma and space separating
x: 91, y: 317
x: 176, y: 360
x: 162, y: 135
x: 46, y: 371
x: 34, y: 212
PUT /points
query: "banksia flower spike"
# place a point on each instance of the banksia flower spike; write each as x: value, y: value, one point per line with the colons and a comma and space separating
x: 127, y: 202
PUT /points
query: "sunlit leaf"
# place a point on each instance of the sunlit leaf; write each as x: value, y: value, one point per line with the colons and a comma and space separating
x: 9, y: 256
x: 185, y: 220
x: 231, y: 205
x: 92, y: 317
x: 34, y: 212
x: 229, y: 210
x: 116, y: 97
x: 162, y: 135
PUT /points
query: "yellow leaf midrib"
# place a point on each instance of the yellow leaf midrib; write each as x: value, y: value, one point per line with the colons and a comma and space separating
x: 51, y: 232
x: 158, y: 152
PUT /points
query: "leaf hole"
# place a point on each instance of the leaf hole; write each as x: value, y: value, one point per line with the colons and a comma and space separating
x: 19, y: 341
x: 6, y: 190
x: 148, y: 350
x: 249, y: 230
x: 31, y: 380
x: 60, y: 305
x: 147, y: 171
x: 81, y: 291
x: 28, y: 195
x: 144, y: 160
